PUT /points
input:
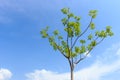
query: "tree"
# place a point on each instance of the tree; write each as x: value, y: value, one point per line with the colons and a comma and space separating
x: 73, y: 46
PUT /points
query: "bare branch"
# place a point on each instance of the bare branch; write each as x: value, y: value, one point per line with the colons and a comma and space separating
x: 100, y: 41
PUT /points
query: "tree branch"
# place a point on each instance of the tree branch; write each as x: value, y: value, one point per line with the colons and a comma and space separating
x: 61, y: 51
x: 100, y: 40
x: 83, y: 57
x: 59, y: 48
x: 82, y: 33
x: 89, y: 51
x: 68, y: 37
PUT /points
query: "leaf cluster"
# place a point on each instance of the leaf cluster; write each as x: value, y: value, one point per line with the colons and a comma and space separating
x: 71, y: 27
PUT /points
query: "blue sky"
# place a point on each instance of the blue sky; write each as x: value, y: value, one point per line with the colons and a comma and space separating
x: 23, y: 53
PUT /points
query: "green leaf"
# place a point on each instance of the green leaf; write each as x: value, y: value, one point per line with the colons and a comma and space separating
x: 73, y: 55
x: 92, y: 26
x: 108, y: 29
x: 77, y: 49
x: 77, y: 18
x: 70, y: 24
x: 77, y: 28
x: 93, y: 43
x: 64, y: 44
x: 65, y: 10
x: 44, y: 34
x: 65, y: 29
x: 67, y: 52
x: 90, y: 37
x: 60, y: 37
x: 82, y: 41
x: 97, y: 33
x: 89, y: 47
x: 94, y: 16
x: 60, y: 48
x: 102, y: 34
x: 93, y: 13
x: 70, y: 15
x: 51, y: 39
x: 70, y: 32
x: 54, y: 46
x: 64, y: 21
x: 83, y: 49
x: 110, y: 33
x: 56, y: 32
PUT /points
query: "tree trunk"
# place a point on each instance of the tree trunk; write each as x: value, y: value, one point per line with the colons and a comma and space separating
x: 71, y: 74
x: 71, y: 70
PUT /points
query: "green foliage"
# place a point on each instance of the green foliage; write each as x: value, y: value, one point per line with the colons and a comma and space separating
x: 64, y: 21
x: 69, y: 31
x: 73, y: 30
x: 90, y: 37
x: 73, y: 54
x: 97, y: 33
x: 93, y: 43
x: 77, y: 49
x: 77, y: 18
x: 104, y: 33
x: 52, y: 42
x: 60, y: 37
x: 83, y: 49
x: 64, y: 44
x: 66, y: 50
x: 65, y: 10
x: 89, y: 47
x: 44, y: 32
x: 74, y: 33
x: 82, y: 41
x: 70, y: 15
x: 108, y: 31
x: 56, y: 32
x: 92, y: 26
x: 93, y: 13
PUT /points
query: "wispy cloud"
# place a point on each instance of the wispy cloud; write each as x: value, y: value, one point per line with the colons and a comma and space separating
x: 8, y: 7
x: 5, y: 74
x: 11, y: 5
x: 106, y: 64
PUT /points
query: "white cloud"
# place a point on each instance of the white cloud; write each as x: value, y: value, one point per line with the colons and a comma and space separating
x: 46, y: 75
x: 106, y: 64
x: 5, y: 74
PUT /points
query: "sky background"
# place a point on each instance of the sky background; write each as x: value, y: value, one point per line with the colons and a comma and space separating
x: 24, y: 55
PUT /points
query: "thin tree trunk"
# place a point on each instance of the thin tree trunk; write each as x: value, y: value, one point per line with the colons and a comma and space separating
x: 71, y: 74
x: 71, y: 70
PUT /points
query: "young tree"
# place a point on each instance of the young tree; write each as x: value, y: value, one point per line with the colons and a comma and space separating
x: 73, y: 46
